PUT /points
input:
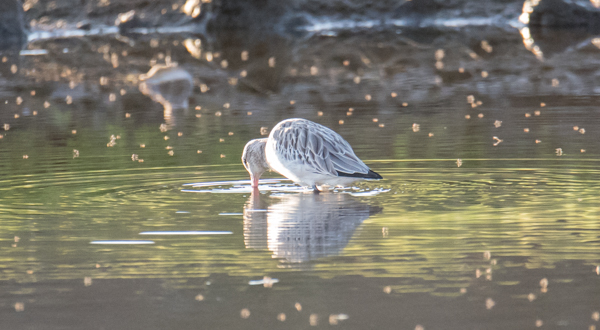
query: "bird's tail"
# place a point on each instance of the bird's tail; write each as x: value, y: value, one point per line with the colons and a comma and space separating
x: 369, y: 175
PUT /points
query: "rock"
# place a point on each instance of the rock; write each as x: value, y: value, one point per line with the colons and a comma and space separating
x: 13, y: 31
x: 565, y: 14
x: 168, y: 85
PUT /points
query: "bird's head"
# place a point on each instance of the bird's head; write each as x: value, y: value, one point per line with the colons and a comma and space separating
x: 254, y: 159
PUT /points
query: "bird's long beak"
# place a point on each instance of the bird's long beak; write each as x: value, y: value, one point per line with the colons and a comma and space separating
x: 254, y: 180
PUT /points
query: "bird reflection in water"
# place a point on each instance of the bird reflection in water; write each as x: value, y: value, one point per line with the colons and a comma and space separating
x: 303, y: 227
x: 168, y: 85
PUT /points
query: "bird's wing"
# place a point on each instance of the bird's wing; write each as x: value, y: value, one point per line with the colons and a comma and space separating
x: 317, y: 147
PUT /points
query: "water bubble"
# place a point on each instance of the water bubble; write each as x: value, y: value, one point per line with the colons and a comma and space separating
x: 439, y: 54
x: 335, y: 318
x: 489, y: 303
x: 112, y: 142
x: 245, y: 313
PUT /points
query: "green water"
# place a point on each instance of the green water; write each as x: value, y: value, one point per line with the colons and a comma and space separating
x: 460, y: 234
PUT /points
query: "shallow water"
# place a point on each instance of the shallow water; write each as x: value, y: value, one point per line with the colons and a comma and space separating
x: 127, y: 211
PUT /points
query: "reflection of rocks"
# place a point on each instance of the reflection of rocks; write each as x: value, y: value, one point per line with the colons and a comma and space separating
x: 303, y: 227
x: 12, y: 25
x: 168, y: 85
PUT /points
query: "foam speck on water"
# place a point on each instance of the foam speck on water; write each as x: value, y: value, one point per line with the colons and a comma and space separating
x: 186, y: 233
x: 122, y: 242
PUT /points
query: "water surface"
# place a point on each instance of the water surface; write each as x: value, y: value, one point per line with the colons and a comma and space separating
x: 127, y: 207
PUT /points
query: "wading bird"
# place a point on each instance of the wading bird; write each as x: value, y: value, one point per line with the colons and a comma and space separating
x: 307, y: 153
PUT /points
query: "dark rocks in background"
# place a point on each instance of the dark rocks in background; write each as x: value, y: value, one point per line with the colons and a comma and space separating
x: 565, y: 14
x: 13, y: 29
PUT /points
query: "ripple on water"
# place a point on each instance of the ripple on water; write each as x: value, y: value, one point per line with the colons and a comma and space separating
x: 429, y: 220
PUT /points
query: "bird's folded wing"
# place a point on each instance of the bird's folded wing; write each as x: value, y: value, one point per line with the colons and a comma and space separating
x: 318, y: 148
